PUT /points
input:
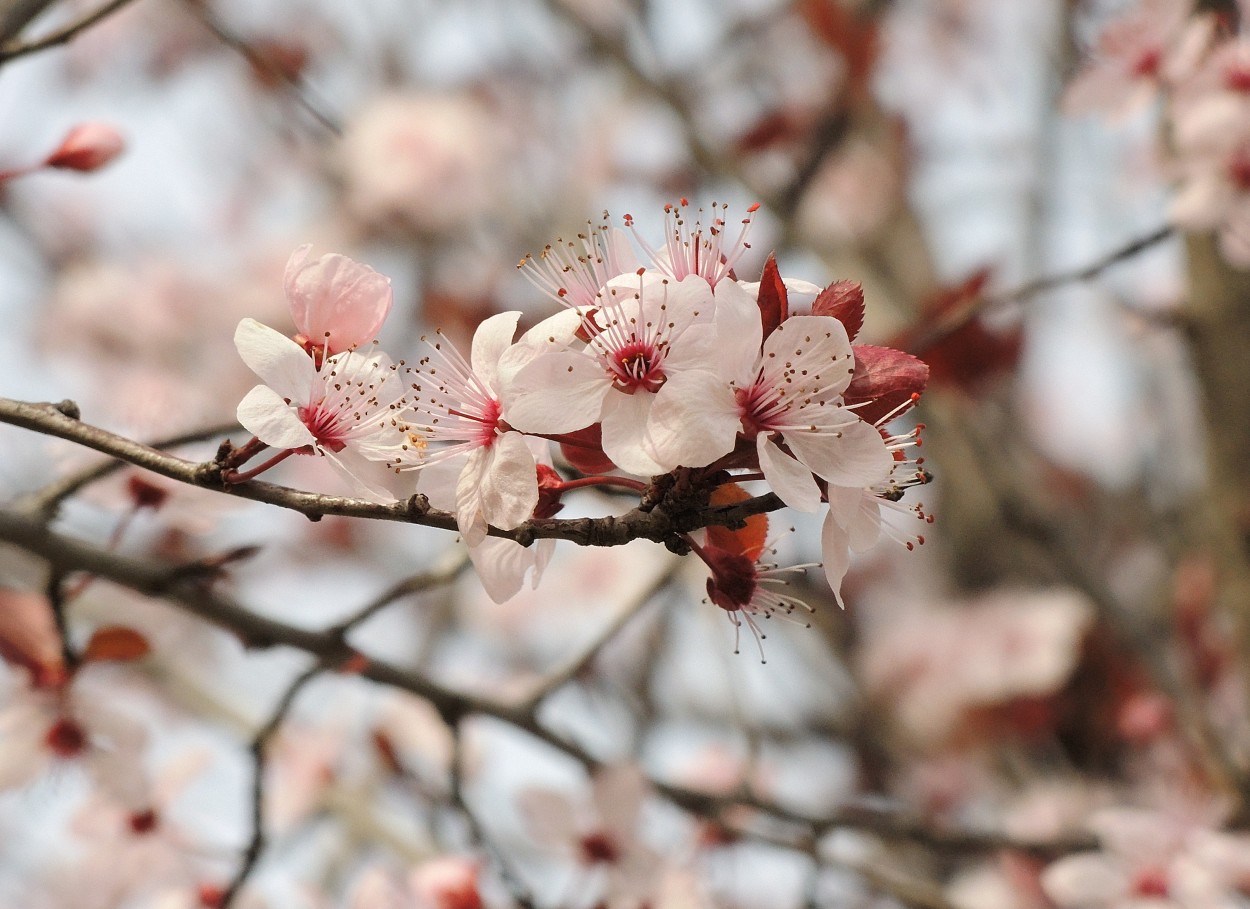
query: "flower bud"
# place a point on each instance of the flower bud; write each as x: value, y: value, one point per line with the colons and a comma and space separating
x: 87, y: 147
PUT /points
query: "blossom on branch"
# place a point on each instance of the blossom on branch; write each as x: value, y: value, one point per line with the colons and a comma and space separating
x: 352, y: 410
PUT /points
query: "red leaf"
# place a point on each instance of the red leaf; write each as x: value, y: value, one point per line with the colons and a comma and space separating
x: 773, y: 300
x: 884, y: 379
x: 585, y: 451
x: 113, y: 642
x: 971, y: 354
x: 749, y: 540
x: 28, y: 636
x: 844, y: 300
x: 852, y: 35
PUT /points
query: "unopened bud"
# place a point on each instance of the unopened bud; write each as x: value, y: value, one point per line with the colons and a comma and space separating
x: 87, y: 147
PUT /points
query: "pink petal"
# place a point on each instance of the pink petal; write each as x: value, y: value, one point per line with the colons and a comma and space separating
x: 280, y: 362
x: 264, y: 414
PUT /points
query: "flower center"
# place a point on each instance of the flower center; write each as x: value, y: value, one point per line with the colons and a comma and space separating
x: 325, y: 426
x: 142, y: 822
x: 760, y: 405
x: 638, y: 365
x: 599, y: 847
x: 1147, y: 64
x: 66, y: 739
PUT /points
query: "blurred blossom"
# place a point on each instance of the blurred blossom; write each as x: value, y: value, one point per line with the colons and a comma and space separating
x: 422, y: 161
x: 934, y: 663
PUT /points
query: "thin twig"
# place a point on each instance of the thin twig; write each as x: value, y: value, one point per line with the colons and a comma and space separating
x: 62, y: 35
x: 192, y: 595
x: 260, y: 742
x: 578, y: 662
x: 300, y: 90
x: 957, y: 318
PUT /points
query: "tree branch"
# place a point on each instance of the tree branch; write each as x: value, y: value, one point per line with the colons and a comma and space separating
x: 63, y: 35
x: 662, y: 523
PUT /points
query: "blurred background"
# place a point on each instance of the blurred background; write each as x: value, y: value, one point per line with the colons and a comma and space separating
x: 1060, y: 665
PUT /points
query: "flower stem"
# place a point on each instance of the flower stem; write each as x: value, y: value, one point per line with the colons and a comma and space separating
x: 582, y: 482
x: 235, y: 476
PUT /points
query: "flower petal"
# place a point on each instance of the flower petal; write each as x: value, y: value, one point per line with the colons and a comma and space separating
x: 792, y: 481
x: 280, y: 362
x: 492, y: 338
x: 855, y: 455
x: 693, y: 421
x: 266, y: 415
x: 624, y: 432
x: 558, y: 392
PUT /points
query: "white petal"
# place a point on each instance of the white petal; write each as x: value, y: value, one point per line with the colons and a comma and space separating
x: 788, y: 478
x: 813, y: 346
x: 264, y: 414
x: 1088, y: 879
x: 501, y: 565
x: 835, y: 554
x: 509, y: 489
x: 491, y: 339
x: 624, y: 429
x: 280, y: 362
x: 855, y: 455
x: 694, y: 420
x: 551, y: 335
x: 367, y: 479
x: 469, y: 517
x: 558, y: 392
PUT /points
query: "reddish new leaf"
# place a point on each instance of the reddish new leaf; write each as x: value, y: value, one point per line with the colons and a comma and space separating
x: 584, y: 450
x: 28, y: 636
x: 550, y: 488
x: 749, y: 540
x: 884, y: 380
x: 969, y: 355
x: 844, y: 300
x: 852, y: 35
x: 116, y: 643
x: 773, y: 300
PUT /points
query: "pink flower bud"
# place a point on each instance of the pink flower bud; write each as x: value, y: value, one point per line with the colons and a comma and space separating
x: 335, y: 302
x: 87, y: 147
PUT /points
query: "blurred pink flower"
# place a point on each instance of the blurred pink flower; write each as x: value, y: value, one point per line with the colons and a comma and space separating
x: 1136, y: 53
x: 351, y: 410
x: 337, y: 304
x: 935, y: 663
x: 603, y: 840
x: 425, y: 161
x: 1162, y: 860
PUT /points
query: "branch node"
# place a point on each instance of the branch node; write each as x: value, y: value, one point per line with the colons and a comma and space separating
x: 68, y: 408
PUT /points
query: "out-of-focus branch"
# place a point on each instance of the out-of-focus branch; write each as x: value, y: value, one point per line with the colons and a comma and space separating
x: 578, y: 662
x: 66, y: 33
x: 47, y: 500
x: 15, y: 15
x: 298, y: 87
x: 961, y: 316
x: 660, y: 524
x: 189, y: 591
x: 256, y: 843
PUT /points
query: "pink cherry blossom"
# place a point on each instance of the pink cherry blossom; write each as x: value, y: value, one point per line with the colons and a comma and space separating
x: 352, y: 410
x: 337, y: 304
x: 618, y: 868
x: 693, y: 249
x: 572, y: 272
x: 651, y: 374
x: 1135, y: 53
x: 790, y: 393
x: 44, y: 729
x: 458, y: 402
x: 1152, y: 858
x: 747, y: 589
x: 854, y: 522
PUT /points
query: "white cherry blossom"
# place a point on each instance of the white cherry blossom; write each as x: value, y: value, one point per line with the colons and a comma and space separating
x: 352, y: 410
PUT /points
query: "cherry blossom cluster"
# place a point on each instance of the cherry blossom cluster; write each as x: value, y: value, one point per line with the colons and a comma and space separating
x: 659, y: 362
x: 1200, y: 67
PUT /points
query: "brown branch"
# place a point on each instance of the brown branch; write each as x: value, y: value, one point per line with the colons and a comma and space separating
x: 957, y: 318
x: 298, y: 87
x: 659, y: 524
x: 62, y: 35
x: 260, y: 741
x: 187, y: 590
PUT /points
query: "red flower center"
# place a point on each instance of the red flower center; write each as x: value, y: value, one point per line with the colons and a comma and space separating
x: 599, y: 847
x: 142, y: 822
x: 65, y: 738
